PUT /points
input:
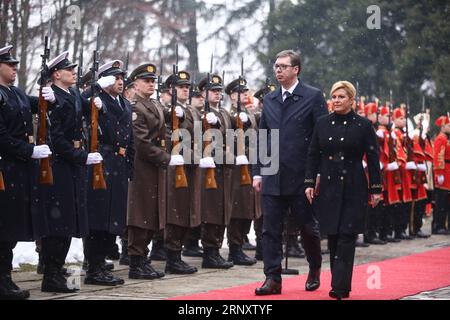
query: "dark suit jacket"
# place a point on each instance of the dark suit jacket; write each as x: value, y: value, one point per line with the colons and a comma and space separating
x: 295, y: 119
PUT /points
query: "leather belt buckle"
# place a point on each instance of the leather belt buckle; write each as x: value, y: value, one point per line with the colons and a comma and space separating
x: 77, y: 144
x: 30, y: 139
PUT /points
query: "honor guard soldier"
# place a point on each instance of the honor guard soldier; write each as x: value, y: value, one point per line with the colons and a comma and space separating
x: 107, y: 208
x: 147, y: 190
x: 242, y: 194
x: 183, y: 201
x: 442, y: 176
x: 197, y: 100
x: 407, y: 168
x: 423, y: 152
x: 65, y: 204
x: 391, y: 176
x: 373, y: 213
x: 19, y: 169
x: 215, y: 201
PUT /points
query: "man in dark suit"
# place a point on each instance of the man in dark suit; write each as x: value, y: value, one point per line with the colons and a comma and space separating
x: 292, y: 110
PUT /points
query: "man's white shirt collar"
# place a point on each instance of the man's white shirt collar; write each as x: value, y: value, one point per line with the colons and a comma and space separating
x: 290, y: 90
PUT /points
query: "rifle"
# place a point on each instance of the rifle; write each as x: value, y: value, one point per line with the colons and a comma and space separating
x: 125, y: 76
x: 45, y: 170
x: 180, y: 175
x: 409, y: 142
x: 222, y: 96
x: 2, y: 182
x: 158, y: 91
x: 414, y: 176
x: 377, y: 101
x: 80, y: 70
x: 98, y: 180
x: 391, y: 146
x: 191, y: 89
x: 245, y: 176
x: 210, y: 179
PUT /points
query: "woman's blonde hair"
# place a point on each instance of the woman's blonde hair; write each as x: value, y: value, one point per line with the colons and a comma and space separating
x: 347, y: 86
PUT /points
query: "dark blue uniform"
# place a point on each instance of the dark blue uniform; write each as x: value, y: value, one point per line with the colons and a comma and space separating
x: 19, y: 169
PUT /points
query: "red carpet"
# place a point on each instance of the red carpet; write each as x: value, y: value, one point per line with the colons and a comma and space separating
x: 398, y: 278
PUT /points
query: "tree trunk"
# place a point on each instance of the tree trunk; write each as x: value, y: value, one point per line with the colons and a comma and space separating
x: 22, y: 72
x: 190, y: 38
x: 4, y: 7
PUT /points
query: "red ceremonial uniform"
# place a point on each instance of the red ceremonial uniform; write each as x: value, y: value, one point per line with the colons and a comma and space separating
x: 442, y: 161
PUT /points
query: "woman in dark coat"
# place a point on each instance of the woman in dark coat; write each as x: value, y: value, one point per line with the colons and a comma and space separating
x: 339, y: 142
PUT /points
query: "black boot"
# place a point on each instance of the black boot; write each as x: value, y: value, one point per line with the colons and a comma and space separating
x: 158, y: 251
x: 124, y: 257
x: 139, y: 269
x: 213, y: 260
x: 54, y: 281
x: 192, y: 249
x: 98, y: 275
x: 9, y: 290
x: 175, y: 265
x: 247, y: 245
x: 238, y: 257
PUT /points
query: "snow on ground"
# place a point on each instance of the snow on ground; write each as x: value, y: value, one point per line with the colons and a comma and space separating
x: 24, y: 252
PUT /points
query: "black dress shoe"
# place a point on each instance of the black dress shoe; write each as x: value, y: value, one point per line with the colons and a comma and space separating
x: 338, y: 295
x: 269, y: 287
x: 313, y: 281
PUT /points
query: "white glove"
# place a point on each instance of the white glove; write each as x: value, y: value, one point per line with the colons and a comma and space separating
x: 176, y: 160
x: 241, y: 160
x: 179, y: 112
x: 207, y: 162
x: 440, y: 179
x: 381, y: 165
x: 422, y: 167
x: 94, y: 158
x: 211, y: 118
x: 243, y: 116
x: 364, y: 164
x: 106, y: 82
x: 380, y: 133
x: 393, y: 135
x: 40, y: 152
x: 392, y: 166
x: 98, y: 103
x: 411, y: 165
x: 48, y: 94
